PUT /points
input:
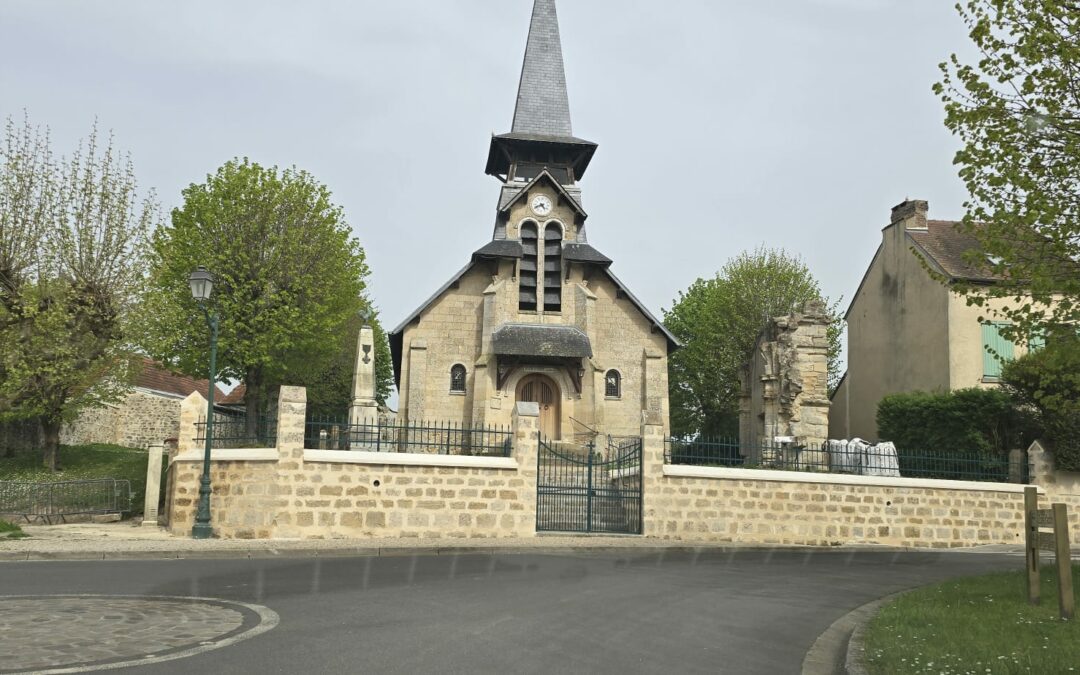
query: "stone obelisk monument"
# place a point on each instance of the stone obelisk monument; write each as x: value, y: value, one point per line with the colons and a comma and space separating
x: 364, y: 409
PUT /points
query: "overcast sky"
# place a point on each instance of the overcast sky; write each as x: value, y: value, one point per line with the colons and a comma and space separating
x: 722, y: 124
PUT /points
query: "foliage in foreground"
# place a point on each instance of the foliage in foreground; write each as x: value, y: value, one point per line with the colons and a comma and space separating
x: 83, y: 462
x: 977, y: 625
x: 1047, y: 383
x: 10, y: 530
x: 965, y: 420
x: 1017, y: 113
x: 718, y: 320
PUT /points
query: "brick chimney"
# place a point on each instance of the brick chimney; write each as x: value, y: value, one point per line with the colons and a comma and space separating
x: 910, y: 214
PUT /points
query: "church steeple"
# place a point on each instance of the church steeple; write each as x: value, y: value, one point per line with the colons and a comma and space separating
x: 543, y: 107
x: 541, y: 136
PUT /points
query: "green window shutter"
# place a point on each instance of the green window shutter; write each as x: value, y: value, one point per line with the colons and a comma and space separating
x: 996, y: 349
x: 1037, y: 340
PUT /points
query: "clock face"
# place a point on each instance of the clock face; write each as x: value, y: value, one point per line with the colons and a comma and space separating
x: 541, y: 205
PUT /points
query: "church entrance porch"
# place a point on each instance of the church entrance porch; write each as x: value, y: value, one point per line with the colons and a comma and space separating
x: 599, y: 491
x: 542, y: 390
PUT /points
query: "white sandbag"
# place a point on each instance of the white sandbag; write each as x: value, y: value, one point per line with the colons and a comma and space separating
x: 880, y: 460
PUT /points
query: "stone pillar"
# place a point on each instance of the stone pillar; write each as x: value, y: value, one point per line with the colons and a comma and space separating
x: 417, y: 380
x: 364, y: 406
x: 192, y: 411
x: 153, y: 484
x: 654, y: 386
x: 292, y: 411
x: 1017, y: 464
x: 183, y: 486
x: 525, y: 425
x: 652, y: 474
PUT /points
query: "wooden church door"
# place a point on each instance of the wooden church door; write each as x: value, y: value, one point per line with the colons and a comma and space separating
x: 541, y: 389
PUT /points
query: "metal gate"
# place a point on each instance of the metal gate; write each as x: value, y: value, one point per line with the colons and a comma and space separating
x: 581, y: 489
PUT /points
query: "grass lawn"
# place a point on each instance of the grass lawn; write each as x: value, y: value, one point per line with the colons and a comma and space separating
x: 82, y: 462
x: 978, y: 625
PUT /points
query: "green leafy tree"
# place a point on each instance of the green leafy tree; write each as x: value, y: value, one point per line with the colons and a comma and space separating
x: 1046, y: 383
x: 1017, y: 112
x: 719, y: 320
x: 288, y: 276
x: 73, y: 238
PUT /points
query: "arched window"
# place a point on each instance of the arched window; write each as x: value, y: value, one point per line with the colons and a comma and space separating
x: 613, y: 384
x: 527, y: 273
x: 553, y: 267
x: 457, y: 378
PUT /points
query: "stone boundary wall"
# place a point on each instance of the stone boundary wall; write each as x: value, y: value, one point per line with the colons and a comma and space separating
x: 290, y: 492
x: 717, y: 505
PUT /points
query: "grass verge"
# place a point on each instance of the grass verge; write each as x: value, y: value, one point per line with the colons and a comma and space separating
x: 83, y: 462
x: 10, y: 530
x: 979, y: 625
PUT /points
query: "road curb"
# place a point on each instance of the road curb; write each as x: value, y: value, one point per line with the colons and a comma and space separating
x: 839, y: 649
x: 360, y: 550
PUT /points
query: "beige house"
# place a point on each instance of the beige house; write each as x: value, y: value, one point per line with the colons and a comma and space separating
x: 907, y: 331
x: 536, y: 314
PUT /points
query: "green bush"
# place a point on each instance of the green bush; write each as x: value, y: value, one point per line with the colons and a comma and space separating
x: 1046, y: 384
x: 983, y: 421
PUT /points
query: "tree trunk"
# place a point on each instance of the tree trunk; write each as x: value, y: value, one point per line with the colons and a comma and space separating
x: 50, y: 444
x: 253, y: 401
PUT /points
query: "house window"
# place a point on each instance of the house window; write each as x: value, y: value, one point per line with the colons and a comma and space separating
x: 613, y: 384
x: 553, y: 268
x: 997, y: 349
x: 457, y: 379
x: 527, y: 274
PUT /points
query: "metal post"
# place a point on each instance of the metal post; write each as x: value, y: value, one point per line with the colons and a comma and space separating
x: 1066, y: 600
x: 588, y: 493
x: 1031, y: 534
x: 201, y: 529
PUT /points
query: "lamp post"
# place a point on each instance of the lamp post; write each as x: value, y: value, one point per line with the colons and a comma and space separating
x: 202, y: 283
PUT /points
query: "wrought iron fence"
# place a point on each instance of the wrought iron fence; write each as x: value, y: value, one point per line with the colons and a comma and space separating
x: 387, y: 435
x: 65, y: 498
x: 837, y: 458
x: 231, y: 430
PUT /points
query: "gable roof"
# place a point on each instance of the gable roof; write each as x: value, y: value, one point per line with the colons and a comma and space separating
x: 155, y: 378
x: 544, y: 175
x: 947, y: 245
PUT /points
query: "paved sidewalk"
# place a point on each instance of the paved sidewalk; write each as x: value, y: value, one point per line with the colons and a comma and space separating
x: 127, y: 540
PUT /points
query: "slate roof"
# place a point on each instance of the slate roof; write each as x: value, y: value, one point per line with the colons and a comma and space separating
x: 579, y: 252
x: 155, y: 378
x: 523, y: 339
x: 946, y: 246
x: 543, y: 106
x: 500, y: 248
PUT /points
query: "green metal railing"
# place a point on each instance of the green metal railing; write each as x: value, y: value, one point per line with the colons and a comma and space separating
x: 386, y: 435
x: 231, y: 430
x: 836, y: 458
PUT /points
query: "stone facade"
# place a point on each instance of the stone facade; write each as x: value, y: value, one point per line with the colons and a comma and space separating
x: 785, y: 391
x: 142, y: 419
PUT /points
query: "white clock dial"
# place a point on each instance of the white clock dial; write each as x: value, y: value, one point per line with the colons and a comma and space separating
x: 541, y: 205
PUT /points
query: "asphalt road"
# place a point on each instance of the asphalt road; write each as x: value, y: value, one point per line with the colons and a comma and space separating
x: 709, y: 612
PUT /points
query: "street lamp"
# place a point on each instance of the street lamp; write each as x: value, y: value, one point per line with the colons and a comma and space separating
x: 202, y: 283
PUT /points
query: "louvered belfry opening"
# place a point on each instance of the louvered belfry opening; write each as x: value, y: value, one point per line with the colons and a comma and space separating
x: 552, y: 268
x: 527, y: 274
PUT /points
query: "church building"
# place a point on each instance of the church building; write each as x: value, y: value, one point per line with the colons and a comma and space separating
x: 536, y: 314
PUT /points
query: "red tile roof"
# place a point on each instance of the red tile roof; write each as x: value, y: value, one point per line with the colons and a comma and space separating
x: 947, y: 245
x: 153, y: 376
x: 235, y: 397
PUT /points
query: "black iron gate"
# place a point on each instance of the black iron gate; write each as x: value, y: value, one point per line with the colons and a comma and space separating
x: 581, y: 489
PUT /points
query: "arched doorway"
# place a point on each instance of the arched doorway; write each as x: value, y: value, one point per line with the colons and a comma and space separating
x: 543, y: 390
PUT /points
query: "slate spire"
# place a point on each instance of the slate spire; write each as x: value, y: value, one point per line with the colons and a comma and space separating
x: 542, y: 104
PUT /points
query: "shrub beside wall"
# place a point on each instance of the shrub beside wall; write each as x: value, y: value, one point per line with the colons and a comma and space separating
x: 1046, y: 384
x: 981, y: 421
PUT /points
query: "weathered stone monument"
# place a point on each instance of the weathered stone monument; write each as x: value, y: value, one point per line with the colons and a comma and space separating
x: 153, y: 485
x: 364, y: 408
x: 785, y: 393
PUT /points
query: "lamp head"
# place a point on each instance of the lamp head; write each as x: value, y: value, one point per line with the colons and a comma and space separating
x: 202, y: 283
